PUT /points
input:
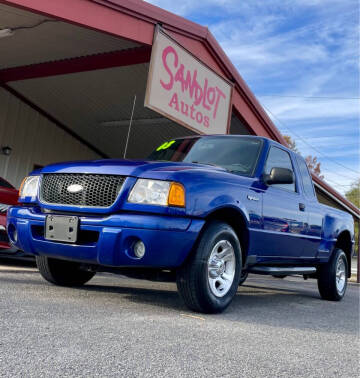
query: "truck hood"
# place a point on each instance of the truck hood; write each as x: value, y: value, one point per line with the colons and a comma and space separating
x: 124, y: 167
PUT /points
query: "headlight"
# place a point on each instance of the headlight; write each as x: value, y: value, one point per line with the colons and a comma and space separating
x: 29, y: 187
x: 157, y: 192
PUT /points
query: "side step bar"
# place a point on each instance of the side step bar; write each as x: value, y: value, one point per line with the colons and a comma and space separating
x: 281, y: 271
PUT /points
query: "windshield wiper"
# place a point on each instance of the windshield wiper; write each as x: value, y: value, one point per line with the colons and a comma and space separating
x: 211, y: 164
x: 199, y: 162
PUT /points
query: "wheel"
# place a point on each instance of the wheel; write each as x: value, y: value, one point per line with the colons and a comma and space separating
x: 63, y: 273
x: 332, y: 277
x: 243, y: 277
x: 208, y: 280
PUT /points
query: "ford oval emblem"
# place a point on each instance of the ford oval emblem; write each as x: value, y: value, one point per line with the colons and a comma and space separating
x: 75, y: 188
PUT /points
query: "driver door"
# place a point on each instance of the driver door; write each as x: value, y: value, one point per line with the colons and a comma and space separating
x: 284, y: 219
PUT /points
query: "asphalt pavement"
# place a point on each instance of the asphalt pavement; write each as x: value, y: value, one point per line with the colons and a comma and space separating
x: 115, y: 326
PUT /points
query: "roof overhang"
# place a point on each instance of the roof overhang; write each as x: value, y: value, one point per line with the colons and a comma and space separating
x: 135, y: 20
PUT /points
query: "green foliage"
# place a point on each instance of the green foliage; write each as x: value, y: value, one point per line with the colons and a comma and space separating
x: 353, y: 195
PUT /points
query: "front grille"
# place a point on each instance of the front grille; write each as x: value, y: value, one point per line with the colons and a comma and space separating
x: 98, y: 190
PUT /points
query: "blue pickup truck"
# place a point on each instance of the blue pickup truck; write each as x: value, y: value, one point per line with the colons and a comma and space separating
x: 203, y: 210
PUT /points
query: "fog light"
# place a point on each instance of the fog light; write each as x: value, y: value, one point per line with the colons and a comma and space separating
x: 139, y: 249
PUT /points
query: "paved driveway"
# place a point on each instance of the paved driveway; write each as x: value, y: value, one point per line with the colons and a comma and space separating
x: 120, y: 327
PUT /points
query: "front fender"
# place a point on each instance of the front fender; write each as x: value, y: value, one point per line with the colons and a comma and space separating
x: 226, y: 202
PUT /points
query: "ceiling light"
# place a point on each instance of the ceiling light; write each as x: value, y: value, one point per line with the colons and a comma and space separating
x: 6, y: 33
x: 6, y: 150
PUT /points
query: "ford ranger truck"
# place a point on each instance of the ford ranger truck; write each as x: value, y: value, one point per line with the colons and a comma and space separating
x: 202, y: 210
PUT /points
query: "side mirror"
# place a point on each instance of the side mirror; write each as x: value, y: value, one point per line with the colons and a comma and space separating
x: 279, y: 176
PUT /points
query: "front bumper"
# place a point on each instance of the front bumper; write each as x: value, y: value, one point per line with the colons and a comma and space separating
x: 109, y: 240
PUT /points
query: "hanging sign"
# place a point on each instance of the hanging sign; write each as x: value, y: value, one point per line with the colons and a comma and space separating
x: 185, y: 90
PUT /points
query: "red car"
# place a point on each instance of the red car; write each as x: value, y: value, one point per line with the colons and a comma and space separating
x: 8, y: 197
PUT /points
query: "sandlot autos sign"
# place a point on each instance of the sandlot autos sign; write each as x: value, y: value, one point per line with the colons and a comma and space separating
x: 185, y: 90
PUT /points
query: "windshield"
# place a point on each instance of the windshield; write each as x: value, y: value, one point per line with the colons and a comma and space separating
x: 235, y: 154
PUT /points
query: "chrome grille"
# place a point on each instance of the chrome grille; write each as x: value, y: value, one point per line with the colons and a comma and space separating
x: 98, y: 190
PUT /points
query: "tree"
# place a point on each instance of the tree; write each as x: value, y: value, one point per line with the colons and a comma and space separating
x: 353, y: 195
x: 291, y: 143
x: 314, y: 165
x: 312, y: 161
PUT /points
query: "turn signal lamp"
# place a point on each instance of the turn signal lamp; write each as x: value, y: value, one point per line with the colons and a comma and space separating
x: 21, y: 185
x: 176, y: 195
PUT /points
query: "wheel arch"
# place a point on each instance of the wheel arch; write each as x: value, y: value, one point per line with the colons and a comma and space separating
x: 344, y: 242
x: 238, y: 221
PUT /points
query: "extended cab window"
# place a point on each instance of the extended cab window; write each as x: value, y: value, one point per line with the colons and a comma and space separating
x: 280, y: 159
x: 305, y: 177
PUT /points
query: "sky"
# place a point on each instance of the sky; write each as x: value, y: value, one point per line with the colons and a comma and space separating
x: 301, y: 60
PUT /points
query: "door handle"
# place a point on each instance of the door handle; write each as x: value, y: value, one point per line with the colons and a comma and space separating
x: 301, y: 206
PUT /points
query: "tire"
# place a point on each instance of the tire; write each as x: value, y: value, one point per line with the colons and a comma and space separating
x: 196, y: 279
x: 243, y: 277
x: 61, y: 272
x: 332, y: 277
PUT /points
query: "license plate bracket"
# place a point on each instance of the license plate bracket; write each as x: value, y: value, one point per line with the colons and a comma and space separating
x: 61, y: 228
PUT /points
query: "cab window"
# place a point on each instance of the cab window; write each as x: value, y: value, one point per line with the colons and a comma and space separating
x: 279, y: 158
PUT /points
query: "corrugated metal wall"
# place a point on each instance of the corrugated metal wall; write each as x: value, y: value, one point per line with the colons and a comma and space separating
x: 33, y: 139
